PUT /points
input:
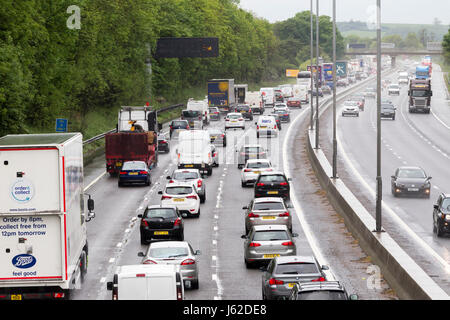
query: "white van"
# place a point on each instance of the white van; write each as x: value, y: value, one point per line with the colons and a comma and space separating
x: 300, y: 92
x: 266, y: 125
x: 194, y: 151
x: 201, y: 106
x: 147, y: 282
x: 268, y: 96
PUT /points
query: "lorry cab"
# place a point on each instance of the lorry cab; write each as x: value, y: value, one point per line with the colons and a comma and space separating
x: 147, y: 282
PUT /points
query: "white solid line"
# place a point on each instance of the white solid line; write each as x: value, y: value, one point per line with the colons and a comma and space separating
x: 95, y: 181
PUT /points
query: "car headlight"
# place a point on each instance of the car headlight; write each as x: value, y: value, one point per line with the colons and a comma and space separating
x: 447, y: 217
x: 400, y: 185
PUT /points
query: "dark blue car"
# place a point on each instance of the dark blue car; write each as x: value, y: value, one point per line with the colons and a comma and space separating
x: 134, y: 172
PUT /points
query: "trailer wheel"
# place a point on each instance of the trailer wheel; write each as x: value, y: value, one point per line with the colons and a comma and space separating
x: 83, y: 264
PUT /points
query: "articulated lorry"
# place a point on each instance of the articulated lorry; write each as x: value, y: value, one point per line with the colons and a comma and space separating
x: 423, y: 72
x: 221, y: 94
x: 43, y: 238
x: 420, y: 95
x: 134, y: 140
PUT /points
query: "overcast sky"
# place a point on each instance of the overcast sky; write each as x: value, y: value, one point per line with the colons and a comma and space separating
x: 392, y: 11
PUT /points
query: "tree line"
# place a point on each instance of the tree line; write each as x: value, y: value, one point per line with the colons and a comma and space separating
x: 49, y: 69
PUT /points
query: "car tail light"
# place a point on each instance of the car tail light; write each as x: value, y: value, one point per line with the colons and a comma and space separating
x: 142, y: 172
x: 275, y: 127
x: 123, y: 172
x: 192, y: 197
x: 247, y: 170
x: 223, y: 135
x: 320, y: 279
x: 170, y: 127
x: 171, y: 181
x: 257, y: 127
x: 187, y: 262
x: 144, y: 223
x: 177, y: 222
x: 58, y: 295
x: 260, y: 184
x: 179, y: 293
x: 289, y: 243
x: 254, y: 244
x: 227, y: 119
x: 187, y: 128
x: 283, y: 184
x: 284, y: 214
x: 165, y: 197
x: 274, y: 281
x: 148, y: 261
x: 252, y: 215
x: 214, y: 154
x: 199, y: 183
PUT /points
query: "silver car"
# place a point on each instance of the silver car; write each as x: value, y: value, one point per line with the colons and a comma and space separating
x: 283, y: 273
x: 350, y: 107
x: 190, y: 175
x: 250, y: 151
x: 267, y: 211
x: 252, y: 168
x: 264, y: 243
x: 178, y: 253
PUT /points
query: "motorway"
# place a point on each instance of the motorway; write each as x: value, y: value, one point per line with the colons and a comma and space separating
x: 411, y: 139
x: 114, y: 234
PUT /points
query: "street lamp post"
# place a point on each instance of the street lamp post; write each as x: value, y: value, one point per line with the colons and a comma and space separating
x: 317, y: 75
x: 334, y: 94
x: 379, y: 181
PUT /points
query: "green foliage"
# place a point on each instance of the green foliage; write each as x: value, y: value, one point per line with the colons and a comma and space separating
x: 446, y: 47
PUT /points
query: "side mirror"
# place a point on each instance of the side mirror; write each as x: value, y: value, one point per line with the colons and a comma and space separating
x: 160, y: 126
x: 184, y: 215
x: 141, y: 254
x: 256, y: 123
x: 263, y: 268
x: 168, y: 178
x: 393, y: 177
x: 245, y: 208
x: 324, y: 267
x: 160, y: 192
x: 289, y: 179
x: 431, y: 93
x: 353, y: 297
x: 197, y: 252
x: 139, y: 215
x: 244, y: 236
x: 294, y: 235
x: 109, y: 285
x: 429, y: 178
x: 436, y: 207
x: 90, y: 204
x: 289, y: 206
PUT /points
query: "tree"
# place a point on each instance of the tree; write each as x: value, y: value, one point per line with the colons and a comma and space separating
x: 446, y: 47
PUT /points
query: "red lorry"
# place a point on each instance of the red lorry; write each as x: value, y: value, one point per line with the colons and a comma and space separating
x: 129, y: 143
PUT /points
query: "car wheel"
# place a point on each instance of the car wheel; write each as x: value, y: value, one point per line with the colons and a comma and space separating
x: 257, y: 135
x: 439, y: 232
x: 148, y: 182
x: 120, y: 184
x: 195, y: 284
x: 434, y: 227
x: 243, y: 184
x: 181, y: 237
x: 203, y: 198
x: 198, y: 215
x: 143, y: 240
x: 248, y: 265
x: 393, y: 118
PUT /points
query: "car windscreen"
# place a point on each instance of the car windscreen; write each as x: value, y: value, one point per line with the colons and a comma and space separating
x: 245, y: 108
x: 171, y: 252
x: 257, y: 165
x: 387, y: 106
x: 296, y: 268
x: 280, y: 111
x: 188, y: 175
x: 393, y: 87
x: 178, y: 190
x: 446, y: 205
x: 268, y: 206
x: 133, y: 166
x: 272, y: 178
x: 191, y: 113
x: 411, y: 173
x: 234, y: 116
x: 160, y: 213
x: 322, y: 295
x: 270, y: 235
x: 179, y: 124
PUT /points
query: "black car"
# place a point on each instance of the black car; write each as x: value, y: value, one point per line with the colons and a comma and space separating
x: 320, y: 290
x: 163, y: 143
x: 245, y: 110
x: 161, y: 223
x: 178, y: 125
x: 314, y: 92
x: 387, y: 111
x: 257, y: 109
x: 441, y: 215
x: 272, y: 184
x: 410, y: 180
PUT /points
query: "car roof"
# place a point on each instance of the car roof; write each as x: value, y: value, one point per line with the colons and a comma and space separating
x: 270, y: 173
x: 410, y: 167
x: 252, y: 145
x: 186, y: 170
x: 287, y: 259
x: 139, y: 162
x: 268, y: 199
x: 321, y: 285
x: 169, y: 244
x: 234, y: 113
x: 257, y: 160
x: 179, y: 184
x: 270, y: 227
x: 159, y: 206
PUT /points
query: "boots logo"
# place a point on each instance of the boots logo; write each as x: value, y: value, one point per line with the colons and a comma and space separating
x: 24, y: 261
x: 22, y: 190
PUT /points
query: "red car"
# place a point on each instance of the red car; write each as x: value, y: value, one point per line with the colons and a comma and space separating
x: 293, y: 102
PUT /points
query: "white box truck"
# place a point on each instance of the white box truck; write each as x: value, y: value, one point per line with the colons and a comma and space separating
x: 194, y: 151
x: 43, y: 242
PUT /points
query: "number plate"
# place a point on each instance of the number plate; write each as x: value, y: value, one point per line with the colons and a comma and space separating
x: 290, y: 285
x: 160, y: 233
x: 263, y: 127
x: 213, y: 137
x: 178, y: 199
x: 133, y: 173
x: 413, y: 189
x: 272, y: 192
x: 256, y: 172
x: 16, y: 297
x: 189, y: 165
x: 271, y: 255
x: 269, y: 218
x: 118, y: 164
